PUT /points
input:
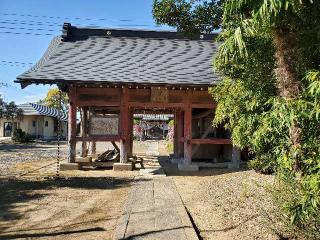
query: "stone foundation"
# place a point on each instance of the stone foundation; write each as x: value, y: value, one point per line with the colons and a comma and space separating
x: 122, y: 167
x: 188, y: 167
x: 69, y: 166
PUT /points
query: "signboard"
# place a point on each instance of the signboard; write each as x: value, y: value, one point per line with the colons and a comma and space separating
x: 104, y: 125
x: 159, y: 94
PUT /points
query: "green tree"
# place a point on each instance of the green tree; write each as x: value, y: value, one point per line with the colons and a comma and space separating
x: 270, y: 57
x: 190, y: 17
x: 9, y: 110
x: 53, y: 99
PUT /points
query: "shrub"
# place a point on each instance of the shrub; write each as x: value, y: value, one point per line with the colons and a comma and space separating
x: 262, y: 164
x: 299, y: 201
x: 20, y: 136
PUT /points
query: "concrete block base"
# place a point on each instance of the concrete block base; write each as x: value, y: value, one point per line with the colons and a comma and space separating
x: 176, y: 160
x: 83, y: 159
x: 233, y: 165
x: 122, y: 167
x: 188, y: 167
x: 69, y: 166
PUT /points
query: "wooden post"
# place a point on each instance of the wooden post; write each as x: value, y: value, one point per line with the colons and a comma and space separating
x: 178, y: 134
x: 124, y: 125
x: 130, y: 133
x: 236, y: 157
x: 72, y: 125
x: 188, y: 129
x: 84, y: 131
x: 176, y: 139
x: 93, y: 148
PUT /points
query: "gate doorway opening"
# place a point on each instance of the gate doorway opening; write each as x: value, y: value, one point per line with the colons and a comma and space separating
x: 153, y: 133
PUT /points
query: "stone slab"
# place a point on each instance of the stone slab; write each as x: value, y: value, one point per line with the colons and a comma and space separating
x: 188, y: 167
x: 122, y: 167
x: 69, y: 166
x: 83, y: 159
x: 154, y: 211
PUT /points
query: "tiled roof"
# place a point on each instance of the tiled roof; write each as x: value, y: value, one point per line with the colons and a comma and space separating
x: 125, y: 57
x: 31, y: 109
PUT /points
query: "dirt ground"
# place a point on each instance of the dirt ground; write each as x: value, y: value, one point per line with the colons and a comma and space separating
x: 228, y: 205
x: 80, y: 205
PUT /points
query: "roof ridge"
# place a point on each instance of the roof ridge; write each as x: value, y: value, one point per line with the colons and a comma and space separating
x: 70, y: 32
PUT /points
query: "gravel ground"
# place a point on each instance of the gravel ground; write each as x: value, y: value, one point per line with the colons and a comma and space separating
x: 15, y: 153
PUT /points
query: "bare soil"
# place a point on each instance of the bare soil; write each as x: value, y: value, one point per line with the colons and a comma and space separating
x: 80, y: 205
x: 85, y: 205
x: 228, y: 204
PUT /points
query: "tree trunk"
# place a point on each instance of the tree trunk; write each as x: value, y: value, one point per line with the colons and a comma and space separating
x: 288, y: 83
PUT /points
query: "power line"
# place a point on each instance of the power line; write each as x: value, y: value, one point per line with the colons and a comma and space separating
x: 29, y: 24
x: 67, y: 18
x: 13, y: 65
x: 16, y: 62
x: 17, y: 22
x: 27, y: 33
x: 28, y: 29
x: 35, y: 23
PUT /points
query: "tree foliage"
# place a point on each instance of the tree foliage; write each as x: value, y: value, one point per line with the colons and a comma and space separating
x: 53, y: 99
x: 9, y: 110
x: 283, y: 127
x: 269, y: 98
x: 190, y: 17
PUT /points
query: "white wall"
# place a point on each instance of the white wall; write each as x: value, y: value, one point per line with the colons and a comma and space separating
x: 39, y: 130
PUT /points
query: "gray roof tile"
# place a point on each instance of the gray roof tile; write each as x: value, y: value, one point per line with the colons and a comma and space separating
x: 124, y: 57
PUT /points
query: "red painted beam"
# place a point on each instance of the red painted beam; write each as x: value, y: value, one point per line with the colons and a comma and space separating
x: 218, y: 141
x: 203, y: 105
x: 95, y: 103
x: 213, y: 141
x: 99, y: 138
x: 149, y: 105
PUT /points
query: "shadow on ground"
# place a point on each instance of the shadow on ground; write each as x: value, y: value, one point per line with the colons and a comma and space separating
x: 171, y: 169
x: 12, y: 147
x: 56, y: 233
x: 17, y: 191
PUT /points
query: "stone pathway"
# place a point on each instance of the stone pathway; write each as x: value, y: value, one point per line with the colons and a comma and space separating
x: 154, y: 209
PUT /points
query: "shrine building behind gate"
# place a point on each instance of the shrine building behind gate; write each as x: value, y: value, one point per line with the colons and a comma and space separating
x: 112, y: 74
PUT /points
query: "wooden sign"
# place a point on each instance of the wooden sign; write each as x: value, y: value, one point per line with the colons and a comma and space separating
x: 104, y: 125
x: 159, y: 94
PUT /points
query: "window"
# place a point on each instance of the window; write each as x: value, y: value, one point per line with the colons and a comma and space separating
x: 46, y: 124
x: 33, y: 123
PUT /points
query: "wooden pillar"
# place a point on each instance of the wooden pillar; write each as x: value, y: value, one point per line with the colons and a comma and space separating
x: 236, y: 157
x: 176, y: 139
x: 84, y: 131
x: 124, y: 125
x: 93, y: 148
x: 130, y: 133
x: 188, y: 129
x: 72, y: 125
x: 178, y: 134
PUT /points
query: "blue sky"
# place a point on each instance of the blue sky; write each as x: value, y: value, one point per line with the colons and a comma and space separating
x: 26, y: 49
